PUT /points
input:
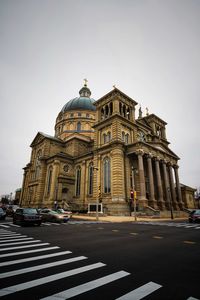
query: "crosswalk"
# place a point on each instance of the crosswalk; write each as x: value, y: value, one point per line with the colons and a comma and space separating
x: 195, y: 226
x: 71, y: 222
x: 16, y: 260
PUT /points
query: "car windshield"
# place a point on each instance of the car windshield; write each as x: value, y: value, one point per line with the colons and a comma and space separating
x: 197, y: 212
x: 1, y: 209
x: 30, y: 211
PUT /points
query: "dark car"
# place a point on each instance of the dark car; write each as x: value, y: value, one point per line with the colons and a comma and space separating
x: 50, y: 215
x: 194, y: 216
x: 27, y: 216
x: 2, y: 214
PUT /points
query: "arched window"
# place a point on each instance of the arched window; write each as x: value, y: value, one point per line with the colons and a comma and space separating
x: 104, y: 138
x: 128, y: 113
x: 108, y: 136
x: 102, y: 113
x: 111, y: 108
x: 37, y: 164
x: 123, y: 136
x: 120, y: 108
x: 49, y: 179
x: 78, y: 181
x: 106, y: 169
x: 127, y: 138
x: 106, y: 111
x: 90, y: 179
x: 79, y: 126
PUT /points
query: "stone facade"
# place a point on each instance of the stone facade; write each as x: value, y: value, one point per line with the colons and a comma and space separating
x: 101, y: 151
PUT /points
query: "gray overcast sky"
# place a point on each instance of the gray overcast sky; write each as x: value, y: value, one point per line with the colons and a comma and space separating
x: 148, y: 48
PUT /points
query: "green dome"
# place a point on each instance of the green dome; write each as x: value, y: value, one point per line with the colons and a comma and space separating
x: 84, y: 102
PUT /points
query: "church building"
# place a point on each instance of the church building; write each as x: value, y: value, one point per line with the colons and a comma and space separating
x: 101, y: 153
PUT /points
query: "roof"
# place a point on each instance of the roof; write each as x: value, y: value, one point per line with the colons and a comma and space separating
x: 79, y: 103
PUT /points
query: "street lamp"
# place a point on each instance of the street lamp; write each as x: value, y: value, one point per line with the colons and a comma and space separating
x: 97, y: 201
x: 134, y: 194
x: 170, y: 202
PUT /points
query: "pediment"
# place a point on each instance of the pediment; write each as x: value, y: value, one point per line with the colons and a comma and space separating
x: 40, y: 137
x: 163, y: 148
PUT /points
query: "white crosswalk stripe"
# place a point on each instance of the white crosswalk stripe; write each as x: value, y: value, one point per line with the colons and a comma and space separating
x: 22, y: 247
x: 43, y: 266
x: 141, y: 292
x: 19, y: 261
x: 87, y: 286
x: 30, y: 251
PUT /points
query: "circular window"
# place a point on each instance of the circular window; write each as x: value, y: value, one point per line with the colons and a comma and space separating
x: 66, y: 168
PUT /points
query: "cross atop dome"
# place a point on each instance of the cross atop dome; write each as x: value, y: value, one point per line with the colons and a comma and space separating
x: 85, y: 82
x: 85, y: 91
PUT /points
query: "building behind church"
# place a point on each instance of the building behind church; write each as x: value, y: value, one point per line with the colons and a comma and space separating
x: 101, y: 151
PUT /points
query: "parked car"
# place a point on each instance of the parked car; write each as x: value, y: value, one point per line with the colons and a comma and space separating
x: 63, y: 211
x: 27, y: 216
x: 2, y: 214
x: 194, y: 216
x: 50, y: 215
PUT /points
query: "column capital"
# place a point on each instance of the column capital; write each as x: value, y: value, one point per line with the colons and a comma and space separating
x: 157, y: 158
x: 164, y: 161
x: 175, y: 167
x: 56, y: 162
x: 150, y: 155
x: 140, y: 152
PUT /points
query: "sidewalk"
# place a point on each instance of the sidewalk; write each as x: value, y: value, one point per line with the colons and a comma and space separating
x: 120, y: 219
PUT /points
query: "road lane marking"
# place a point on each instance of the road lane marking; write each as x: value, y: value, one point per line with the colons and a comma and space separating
x: 20, y: 243
x: 30, y: 251
x: 22, y: 247
x: 141, y: 292
x: 189, y: 242
x: 29, y: 284
x: 88, y: 286
x: 19, y: 261
x: 133, y: 233
x: 192, y: 298
x: 115, y: 230
x: 100, y: 228
x: 6, y: 226
x: 157, y: 237
x: 40, y: 267
x: 16, y: 239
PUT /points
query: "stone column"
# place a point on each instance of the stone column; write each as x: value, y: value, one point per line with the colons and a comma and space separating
x: 178, y: 188
x: 159, y: 184
x: 83, y: 182
x: 41, y: 183
x: 54, y: 185
x: 172, y: 188
x: 166, y: 185
x: 152, y: 201
x: 142, y: 198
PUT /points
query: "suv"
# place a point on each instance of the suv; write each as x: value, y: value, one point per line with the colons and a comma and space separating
x: 27, y: 216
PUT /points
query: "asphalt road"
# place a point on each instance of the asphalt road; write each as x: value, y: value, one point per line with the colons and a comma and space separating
x: 123, y: 261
